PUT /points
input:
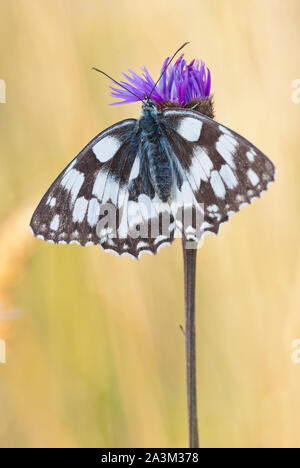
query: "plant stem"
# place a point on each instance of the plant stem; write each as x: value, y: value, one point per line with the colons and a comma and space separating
x: 189, y: 258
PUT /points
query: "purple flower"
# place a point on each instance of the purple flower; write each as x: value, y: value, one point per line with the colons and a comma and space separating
x: 180, y: 84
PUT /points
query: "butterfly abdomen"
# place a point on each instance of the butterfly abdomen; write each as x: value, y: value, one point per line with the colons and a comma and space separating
x: 160, y: 166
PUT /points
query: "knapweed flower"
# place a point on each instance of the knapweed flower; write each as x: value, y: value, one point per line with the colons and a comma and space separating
x: 181, y: 84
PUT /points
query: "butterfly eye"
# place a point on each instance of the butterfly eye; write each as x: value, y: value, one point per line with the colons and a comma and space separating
x: 149, y: 104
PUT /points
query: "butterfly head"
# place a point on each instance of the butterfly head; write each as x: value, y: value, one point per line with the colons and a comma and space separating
x: 149, y: 106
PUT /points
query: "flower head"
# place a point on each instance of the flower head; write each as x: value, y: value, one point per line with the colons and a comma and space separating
x: 181, y: 84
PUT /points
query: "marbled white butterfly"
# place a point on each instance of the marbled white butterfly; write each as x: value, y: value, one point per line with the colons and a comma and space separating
x: 140, y: 183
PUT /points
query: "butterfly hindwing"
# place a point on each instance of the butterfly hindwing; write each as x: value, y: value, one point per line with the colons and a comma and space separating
x: 224, y: 170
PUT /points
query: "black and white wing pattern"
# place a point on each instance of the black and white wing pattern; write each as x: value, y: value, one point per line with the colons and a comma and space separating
x: 107, y: 196
x: 101, y: 198
x: 224, y: 170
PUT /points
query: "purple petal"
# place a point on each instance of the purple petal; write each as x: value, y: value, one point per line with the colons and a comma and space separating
x: 180, y: 83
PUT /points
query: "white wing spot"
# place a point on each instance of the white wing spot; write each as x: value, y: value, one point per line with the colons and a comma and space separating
x: 123, y: 226
x: 134, y: 214
x: 251, y: 155
x: 228, y: 176
x: 253, y: 177
x: 55, y: 223
x: 75, y: 242
x: 111, y: 243
x: 159, y: 239
x: 79, y: 210
x: 110, y: 191
x: 51, y: 201
x: 217, y: 184
x: 71, y: 165
x: 147, y: 209
x: 190, y: 230
x: 204, y: 161
x: 189, y: 128
x: 135, y: 169
x: 197, y: 172
x: 99, y: 184
x: 141, y: 245
x: 225, y: 130
x: 213, y: 208
x: 93, y: 212
x: 226, y: 147
x: 72, y: 181
x: 206, y: 225
x: 106, y: 148
x: 187, y: 194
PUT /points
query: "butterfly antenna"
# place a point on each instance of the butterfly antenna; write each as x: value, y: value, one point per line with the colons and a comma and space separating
x: 119, y: 84
x: 165, y: 69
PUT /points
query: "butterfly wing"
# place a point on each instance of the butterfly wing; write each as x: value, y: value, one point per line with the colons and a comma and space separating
x: 70, y: 209
x: 214, y: 168
x: 224, y: 170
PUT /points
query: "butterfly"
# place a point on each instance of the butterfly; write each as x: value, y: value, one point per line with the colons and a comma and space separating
x: 141, y: 173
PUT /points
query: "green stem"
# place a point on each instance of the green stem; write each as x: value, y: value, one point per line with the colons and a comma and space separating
x: 189, y: 258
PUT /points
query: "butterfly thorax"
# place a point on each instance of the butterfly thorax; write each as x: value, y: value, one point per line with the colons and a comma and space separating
x: 156, y: 151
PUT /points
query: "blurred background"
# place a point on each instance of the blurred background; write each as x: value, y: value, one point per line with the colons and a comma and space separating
x: 94, y: 352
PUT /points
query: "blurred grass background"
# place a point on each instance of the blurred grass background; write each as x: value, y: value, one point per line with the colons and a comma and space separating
x: 96, y: 356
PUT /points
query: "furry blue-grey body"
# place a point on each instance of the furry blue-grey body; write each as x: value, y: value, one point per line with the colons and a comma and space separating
x: 156, y: 165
